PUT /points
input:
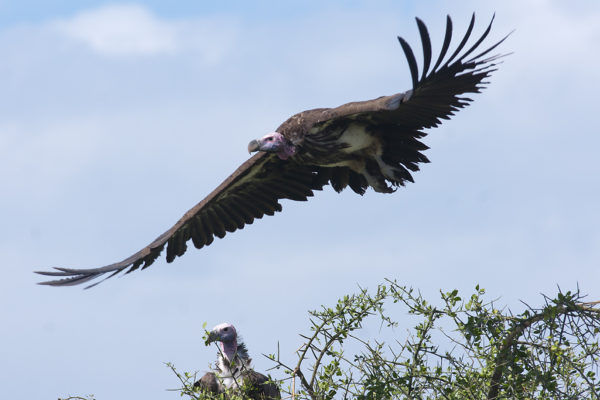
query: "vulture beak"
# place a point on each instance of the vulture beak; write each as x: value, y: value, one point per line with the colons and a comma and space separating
x: 253, y: 146
x: 212, y: 337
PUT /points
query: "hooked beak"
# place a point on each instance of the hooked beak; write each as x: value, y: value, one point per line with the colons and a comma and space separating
x: 253, y: 146
x: 212, y: 337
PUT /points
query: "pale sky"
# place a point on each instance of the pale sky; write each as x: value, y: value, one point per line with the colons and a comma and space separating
x: 116, y: 118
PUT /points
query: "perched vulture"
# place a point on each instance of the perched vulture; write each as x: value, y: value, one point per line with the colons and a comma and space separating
x: 233, y: 370
x: 374, y: 143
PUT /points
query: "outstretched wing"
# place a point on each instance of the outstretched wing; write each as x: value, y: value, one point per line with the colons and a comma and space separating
x: 437, y: 93
x: 252, y: 191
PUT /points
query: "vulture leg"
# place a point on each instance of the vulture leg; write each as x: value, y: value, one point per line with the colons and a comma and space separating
x: 375, y: 178
x: 394, y: 173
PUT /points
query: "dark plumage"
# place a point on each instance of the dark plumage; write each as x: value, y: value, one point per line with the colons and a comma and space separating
x: 233, y: 370
x: 373, y: 143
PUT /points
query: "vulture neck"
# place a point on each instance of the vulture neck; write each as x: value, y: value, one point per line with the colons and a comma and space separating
x: 232, y: 357
x: 233, y: 360
x: 229, y: 349
x: 287, y: 150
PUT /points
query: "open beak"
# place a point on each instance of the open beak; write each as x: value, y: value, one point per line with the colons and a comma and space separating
x: 253, y: 146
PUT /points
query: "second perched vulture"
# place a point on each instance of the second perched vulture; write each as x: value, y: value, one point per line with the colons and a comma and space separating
x: 233, y: 370
x: 374, y: 143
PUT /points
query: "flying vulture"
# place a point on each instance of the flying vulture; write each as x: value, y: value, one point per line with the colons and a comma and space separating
x: 233, y: 370
x: 374, y: 143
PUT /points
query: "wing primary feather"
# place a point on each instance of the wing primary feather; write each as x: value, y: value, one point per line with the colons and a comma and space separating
x: 487, y: 60
x: 426, y: 42
x: 320, y: 179
x: 294, y: 187
x: 245, y: 214
x: 340, y: 177
x: 265, y: 206
x: 218, y: 227
x: 135, y: 266
x: 412, y: 62
x: 478, y: 42
x: 207, y: 229
x: 198, y: 236
x: 181, y: 244
x: 446, y: 45
x: 357, y: 183
x: 269, y: 202
x: 95, y: 283
x: 154, y: 253
x: 114, y: 273
x: 463, y: 41
x: 71, y: 281
x: 171, y: 247
x: 251, y: 208
x: 265, y: 198
x: 234, y: 215
x: 59, y: 272
x: 102, y: 280
x: 228, y: 223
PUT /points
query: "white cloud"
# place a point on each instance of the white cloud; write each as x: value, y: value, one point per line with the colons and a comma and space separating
x: 133, y: 30
x: 121, y: 29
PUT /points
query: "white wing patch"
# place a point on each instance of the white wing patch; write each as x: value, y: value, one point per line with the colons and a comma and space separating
x: 356, y: 138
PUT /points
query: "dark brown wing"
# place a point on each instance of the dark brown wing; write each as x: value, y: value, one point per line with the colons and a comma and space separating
x: 436, y: 94
x: 256, y: 387
x: 208, y: 383
x: 260, y: 387
x: 399, y: 119
x: 252, y: 191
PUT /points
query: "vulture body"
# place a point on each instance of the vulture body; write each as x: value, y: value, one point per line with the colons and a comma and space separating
x: 374, y: 143
x: 233, y: 371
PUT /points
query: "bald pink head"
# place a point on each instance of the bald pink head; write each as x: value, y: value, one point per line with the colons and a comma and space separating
x: 226, y: 334
x: 274, y: 142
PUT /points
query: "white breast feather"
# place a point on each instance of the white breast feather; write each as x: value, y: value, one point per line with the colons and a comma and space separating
x: 228, y: 378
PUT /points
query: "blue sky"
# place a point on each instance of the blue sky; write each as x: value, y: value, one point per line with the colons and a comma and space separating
x: 116, y: 118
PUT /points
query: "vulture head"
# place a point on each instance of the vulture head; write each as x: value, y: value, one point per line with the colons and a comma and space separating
x: 226, y: 335
x: 274, y: 142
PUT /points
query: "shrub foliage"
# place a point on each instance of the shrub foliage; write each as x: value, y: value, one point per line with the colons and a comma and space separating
x: 459, y: 348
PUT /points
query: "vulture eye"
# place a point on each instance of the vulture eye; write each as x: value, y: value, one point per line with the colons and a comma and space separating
x: 225, y: 329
